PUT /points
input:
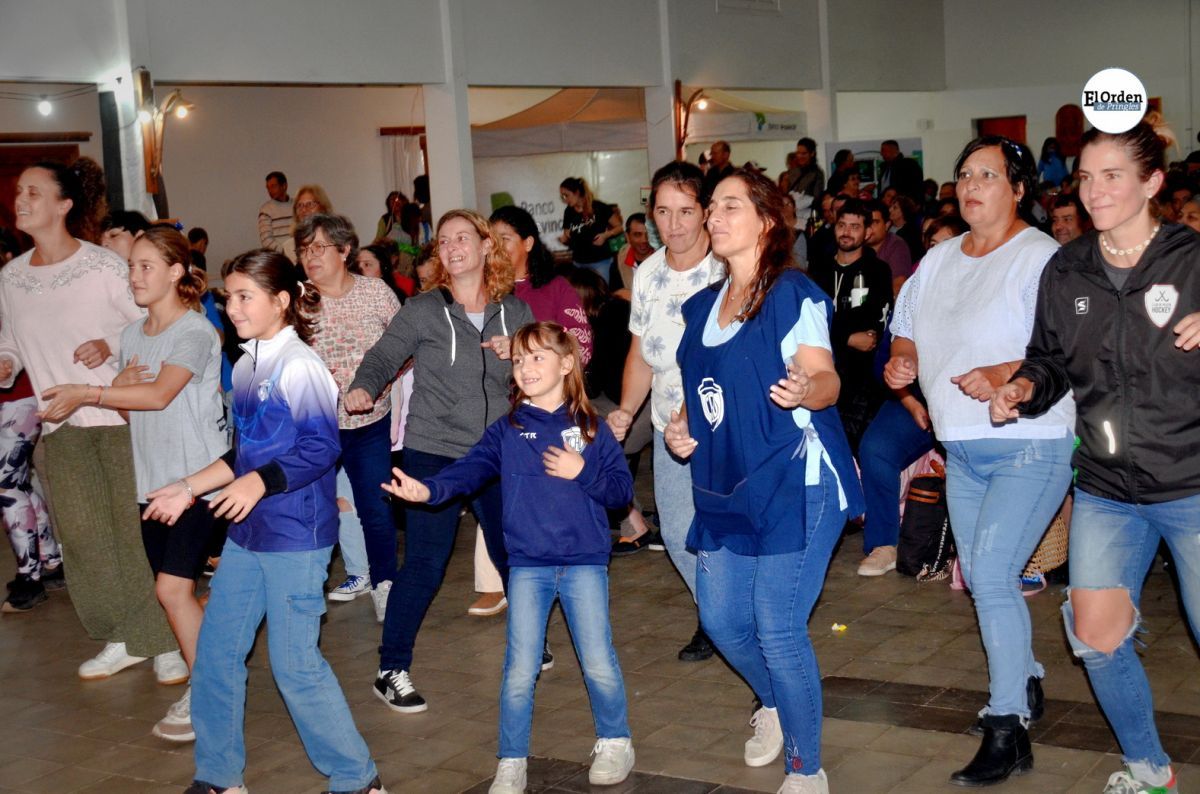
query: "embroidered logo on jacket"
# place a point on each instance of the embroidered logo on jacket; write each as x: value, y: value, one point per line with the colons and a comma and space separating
x: 572, y: 438
x: 1161, y: 300
x: 1081, y: 305
x: 264, y: 390
x: 712, y: 402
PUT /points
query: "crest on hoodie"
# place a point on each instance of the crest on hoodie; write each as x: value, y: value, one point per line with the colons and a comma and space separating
x: 1161, y: 300
x: 712, y: 401
x: 572, y: 438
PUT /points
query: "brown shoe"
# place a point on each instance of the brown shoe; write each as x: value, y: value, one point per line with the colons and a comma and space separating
x: 488, y: 604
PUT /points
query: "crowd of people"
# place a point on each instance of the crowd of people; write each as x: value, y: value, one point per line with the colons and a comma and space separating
x: 790, y: 349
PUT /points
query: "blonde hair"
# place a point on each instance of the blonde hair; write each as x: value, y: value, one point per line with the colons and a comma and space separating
x: 318, y: 193
x: 497, y: 269
x: 552, y: 336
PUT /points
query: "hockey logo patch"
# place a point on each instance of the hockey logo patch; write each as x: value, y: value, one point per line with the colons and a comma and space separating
x: 712, y: 402
x: 572, y: 439
x: 1161, y: 300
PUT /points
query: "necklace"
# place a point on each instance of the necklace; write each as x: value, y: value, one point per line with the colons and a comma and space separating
x: 1137, y: 249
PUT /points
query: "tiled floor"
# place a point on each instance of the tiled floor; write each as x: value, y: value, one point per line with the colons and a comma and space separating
x: 902, y: 682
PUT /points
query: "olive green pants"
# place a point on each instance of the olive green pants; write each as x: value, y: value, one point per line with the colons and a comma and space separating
x: 95, y: 511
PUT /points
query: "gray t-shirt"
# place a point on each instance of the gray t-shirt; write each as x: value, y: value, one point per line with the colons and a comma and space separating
x: 189, y: 433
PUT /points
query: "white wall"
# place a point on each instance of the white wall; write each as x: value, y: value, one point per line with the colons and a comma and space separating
x: 70, y: 40
x: 743, y: 49
x: 537, y: 43
x: 80, y: 114
x: 215, y: 160
x: 882, y: 45
x: 351, y: 41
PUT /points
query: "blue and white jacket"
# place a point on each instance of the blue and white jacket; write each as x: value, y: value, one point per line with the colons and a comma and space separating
x: 547, y: 520
x: 285, y: 415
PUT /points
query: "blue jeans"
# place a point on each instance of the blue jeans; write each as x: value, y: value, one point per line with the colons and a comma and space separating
x: 673, y: 499
x: 892, y: 443
x: 350, y: 532
x: 367, y: 461
x: 1112, y: 546
x: 1002, y: 494
x: 286, y: 588
x: 428, y: 540
x: 583, y: 592
x: 756, y: 611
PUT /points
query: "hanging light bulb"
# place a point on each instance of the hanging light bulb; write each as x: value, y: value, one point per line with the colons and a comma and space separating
x: 144, y: 116
x: 181, y: 112
x: 702, y: 104
x: 44, y: 107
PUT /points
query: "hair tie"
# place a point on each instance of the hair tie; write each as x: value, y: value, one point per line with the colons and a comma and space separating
x: 302, y: 289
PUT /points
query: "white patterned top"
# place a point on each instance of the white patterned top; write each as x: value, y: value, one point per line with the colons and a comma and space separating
x: 48, y: 311
x: 655, y: 318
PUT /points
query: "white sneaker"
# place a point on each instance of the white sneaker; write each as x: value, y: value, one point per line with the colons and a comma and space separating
x: 881, y: 560
x: 510, y: 776
x: 379, y: 594
x: 612, y: 763
x: 805, y: 784
x: 767, y: 742
x: 177, y: 725
x: 110, y: 661
x: 171, y: 669
x: 352, y: 588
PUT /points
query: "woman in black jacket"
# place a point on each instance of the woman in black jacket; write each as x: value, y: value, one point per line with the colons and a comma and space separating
x: 1118, y: 322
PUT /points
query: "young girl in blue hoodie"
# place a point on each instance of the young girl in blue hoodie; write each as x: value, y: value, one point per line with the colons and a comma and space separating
x: 277, y: 486
x: 559, y: 469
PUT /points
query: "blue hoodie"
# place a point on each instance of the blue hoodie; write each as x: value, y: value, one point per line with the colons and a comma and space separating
x: 547, y: 520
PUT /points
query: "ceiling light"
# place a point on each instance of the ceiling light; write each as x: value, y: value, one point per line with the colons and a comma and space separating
x: 44, y: 107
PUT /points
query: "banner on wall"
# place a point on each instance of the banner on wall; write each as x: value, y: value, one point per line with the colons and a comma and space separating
x: 746, y: 126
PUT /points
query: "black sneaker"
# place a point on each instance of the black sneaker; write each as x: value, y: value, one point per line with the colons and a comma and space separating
x: 24, y: 594
x: 200, y: 787
x: 699, y: 649
x: 623, y: 547
x: 395, y: 688
x: 547, y: 659
x: 654, y: 541
x: 54, y: 578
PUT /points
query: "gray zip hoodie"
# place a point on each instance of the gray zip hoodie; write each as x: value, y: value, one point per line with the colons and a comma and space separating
x: 459, y: 388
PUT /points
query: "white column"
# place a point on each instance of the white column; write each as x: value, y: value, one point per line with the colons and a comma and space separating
x: 131, y: 47
x: 660, y: 102
x: 448, y: 122
x: 820, y: 107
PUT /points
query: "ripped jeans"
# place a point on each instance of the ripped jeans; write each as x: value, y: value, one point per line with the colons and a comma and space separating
x: 1112, y: 545
x: 1002, y: 494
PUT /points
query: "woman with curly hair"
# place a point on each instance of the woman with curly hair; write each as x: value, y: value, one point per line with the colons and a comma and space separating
x: 458, y: 334
x: 772, y: 487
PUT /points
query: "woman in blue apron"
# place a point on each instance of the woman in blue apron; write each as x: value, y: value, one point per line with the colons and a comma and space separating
x: 772, y: 474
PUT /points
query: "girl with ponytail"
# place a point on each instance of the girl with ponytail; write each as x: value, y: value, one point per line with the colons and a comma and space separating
x: 277, y: 487
x: 588, y: 224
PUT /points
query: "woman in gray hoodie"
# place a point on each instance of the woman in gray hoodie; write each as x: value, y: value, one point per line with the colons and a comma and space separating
x: 457, y: 333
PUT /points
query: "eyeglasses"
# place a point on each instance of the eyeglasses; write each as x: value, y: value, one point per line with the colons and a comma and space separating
x: 308, y: 205
x: 314, y: 249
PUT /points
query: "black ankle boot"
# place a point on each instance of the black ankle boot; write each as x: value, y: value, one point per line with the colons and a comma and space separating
x: 699, y: 649
x: 1037, y: 705
x: 1005, y: 750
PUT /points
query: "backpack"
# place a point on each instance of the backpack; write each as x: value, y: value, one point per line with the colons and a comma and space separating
x: 926, y: 546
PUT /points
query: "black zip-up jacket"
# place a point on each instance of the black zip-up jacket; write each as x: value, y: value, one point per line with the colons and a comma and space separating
x: 1136, y: 394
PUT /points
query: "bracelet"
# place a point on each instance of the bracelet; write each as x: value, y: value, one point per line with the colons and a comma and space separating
x: 190, y: 492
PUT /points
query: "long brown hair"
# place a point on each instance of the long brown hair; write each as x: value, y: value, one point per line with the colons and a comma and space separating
x: 776, y: 254
x: 83, y: 183
x: 497, y: 269
x: 174, y: 249
x: 552, y: 336
x: 274, y: 273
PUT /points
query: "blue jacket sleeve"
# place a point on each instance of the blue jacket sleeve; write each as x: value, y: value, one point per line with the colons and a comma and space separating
x: 605, y: 476
x: 473, y: 470
x: 312, y: 400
